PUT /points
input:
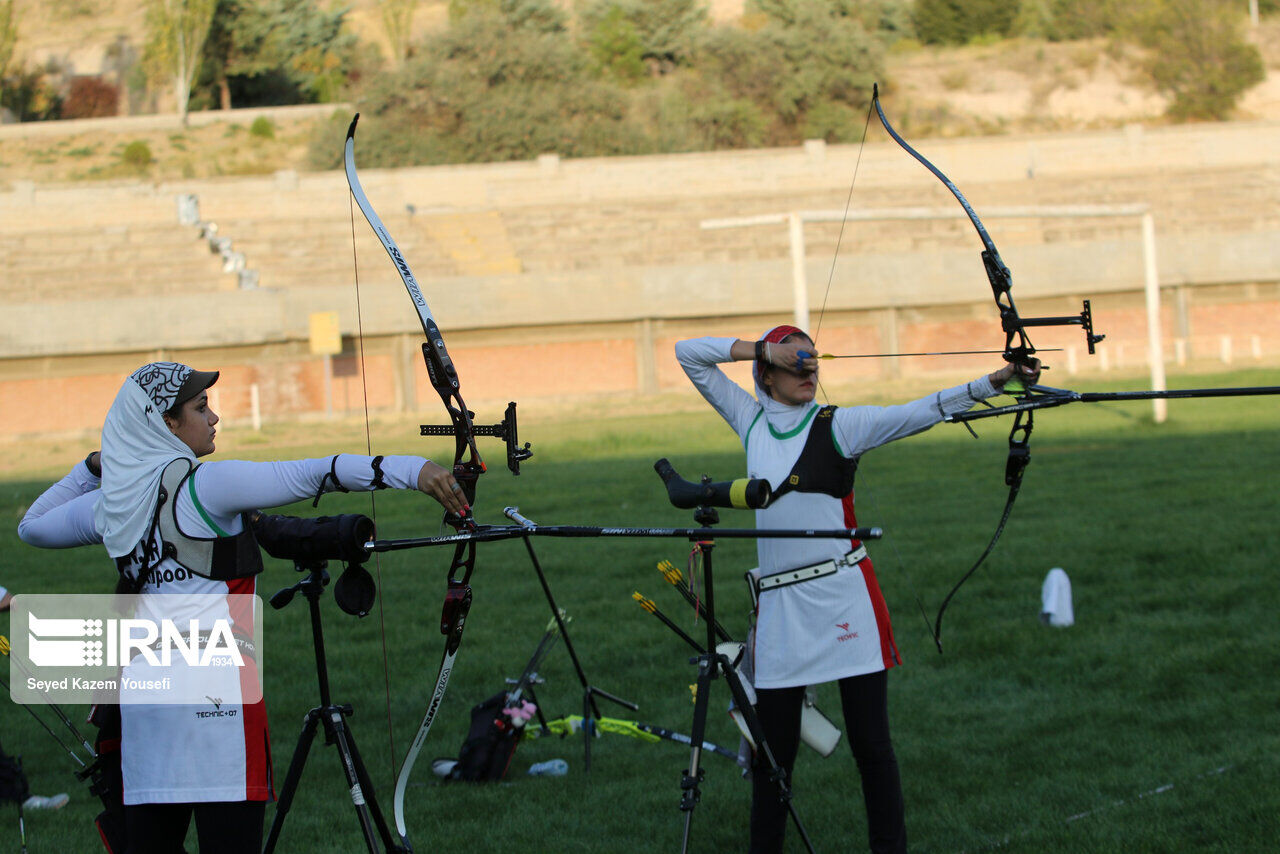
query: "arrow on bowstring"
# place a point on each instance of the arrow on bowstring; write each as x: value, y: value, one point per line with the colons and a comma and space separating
x: 935, y: 353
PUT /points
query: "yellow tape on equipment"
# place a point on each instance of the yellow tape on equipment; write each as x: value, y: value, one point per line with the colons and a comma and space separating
x: 738, y: 492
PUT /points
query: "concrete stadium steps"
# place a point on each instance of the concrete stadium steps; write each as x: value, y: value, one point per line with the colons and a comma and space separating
x: 121, y: 243
x: 562, y: 217
x: 478, y: 242
x: 317, y: 252
x: 302, y: 239
x: 85, y: 262
x: 110, y: 283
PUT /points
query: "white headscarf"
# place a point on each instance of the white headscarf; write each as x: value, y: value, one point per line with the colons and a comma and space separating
x: 136, y: 447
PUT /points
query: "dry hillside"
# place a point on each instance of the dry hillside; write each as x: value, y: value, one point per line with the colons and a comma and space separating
x: 1015, y: 86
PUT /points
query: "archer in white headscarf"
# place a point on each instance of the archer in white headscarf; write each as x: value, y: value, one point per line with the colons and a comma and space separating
x: 140, y: 436
x: 180, y: 761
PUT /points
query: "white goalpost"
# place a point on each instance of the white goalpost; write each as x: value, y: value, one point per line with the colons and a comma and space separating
x: 795, y: 221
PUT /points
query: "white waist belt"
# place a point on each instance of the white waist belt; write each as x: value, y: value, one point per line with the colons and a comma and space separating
x: 808, y: 573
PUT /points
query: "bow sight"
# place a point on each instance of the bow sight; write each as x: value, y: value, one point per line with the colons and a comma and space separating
x: 505, y: 430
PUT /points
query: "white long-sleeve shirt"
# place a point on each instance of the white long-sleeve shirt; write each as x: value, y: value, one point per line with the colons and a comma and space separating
x: 773, y: 434
x: 836, y: 625
x: 183, y: 753
x: 62, y: 517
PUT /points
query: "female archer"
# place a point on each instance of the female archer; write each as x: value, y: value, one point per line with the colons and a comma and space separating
x: 820, y: 616
x: 176, y: 526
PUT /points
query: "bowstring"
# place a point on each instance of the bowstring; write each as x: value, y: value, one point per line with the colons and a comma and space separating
x: 844, y: 220
x: 866, y: 489
x: 373, y: 504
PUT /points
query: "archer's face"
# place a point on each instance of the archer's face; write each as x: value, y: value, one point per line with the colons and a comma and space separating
x: 791, y: 387
x: 194, y: 425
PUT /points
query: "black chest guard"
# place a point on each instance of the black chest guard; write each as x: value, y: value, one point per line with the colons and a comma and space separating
x: 820, y: 467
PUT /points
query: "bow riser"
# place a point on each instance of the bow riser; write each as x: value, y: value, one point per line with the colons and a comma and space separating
x: 444, y: 376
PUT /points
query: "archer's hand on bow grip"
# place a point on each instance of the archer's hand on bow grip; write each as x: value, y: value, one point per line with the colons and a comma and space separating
x: 1016, y: 376
x: 444, y: 486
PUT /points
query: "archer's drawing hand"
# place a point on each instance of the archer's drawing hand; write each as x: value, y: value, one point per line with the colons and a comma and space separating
x: 787, y: 356
x: 438, y: 482
x: 1027, y: 375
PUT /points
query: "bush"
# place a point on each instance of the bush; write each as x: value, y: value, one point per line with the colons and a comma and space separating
x: 137, y: 155
x: 1083, y: 19
x: 263, y: 128
x: 505, y: 82
x: 808, y: 67
x: 30, y: 96
x: 89, y: 98
x: 733, y: 123
x: 963, y: 21
x: 666, y: 30
x: 486, y: 90
x: 616, y: 47
x: 1197, y: 56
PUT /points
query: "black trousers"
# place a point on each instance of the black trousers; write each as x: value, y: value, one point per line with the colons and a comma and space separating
x: 865, y: 702
x: 227, y: 827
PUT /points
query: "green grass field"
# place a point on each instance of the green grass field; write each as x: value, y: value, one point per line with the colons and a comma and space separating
x: 1151, y: 725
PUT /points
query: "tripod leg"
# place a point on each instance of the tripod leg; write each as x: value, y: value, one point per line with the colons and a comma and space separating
x: 335, y: 727
x: 590, y: 692
x: 285, y: 801
x: 542, y: 719
x: 776, y: 772
x: 366, y: 785
x: 588, y: 730
x: 626, y: 704
x: 690, y: 794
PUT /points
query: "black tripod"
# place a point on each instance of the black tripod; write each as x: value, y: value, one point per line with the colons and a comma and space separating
x: 336, y: 731
x: 711, y: 664
x: 590, y: 710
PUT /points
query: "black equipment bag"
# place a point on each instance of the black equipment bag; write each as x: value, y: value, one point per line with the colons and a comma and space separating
x: 13, y: 782
x: 490, y: 745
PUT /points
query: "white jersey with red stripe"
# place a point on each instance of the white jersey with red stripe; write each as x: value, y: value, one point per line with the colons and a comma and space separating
x: 837, y: 625
x: 218, y: 751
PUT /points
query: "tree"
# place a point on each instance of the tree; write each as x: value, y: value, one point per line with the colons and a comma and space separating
x: 269, y: 52
x: 502, y: 83
x: 219, y: 50
x: 811, y: 66
x: 961, y: 21
x: 1198, y: 55
x: 8, y: 36
x: 176, y: 31
x: 397, y: 20
x: 666, y: 30
x: 544, y: 16
x: 616, y: 46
